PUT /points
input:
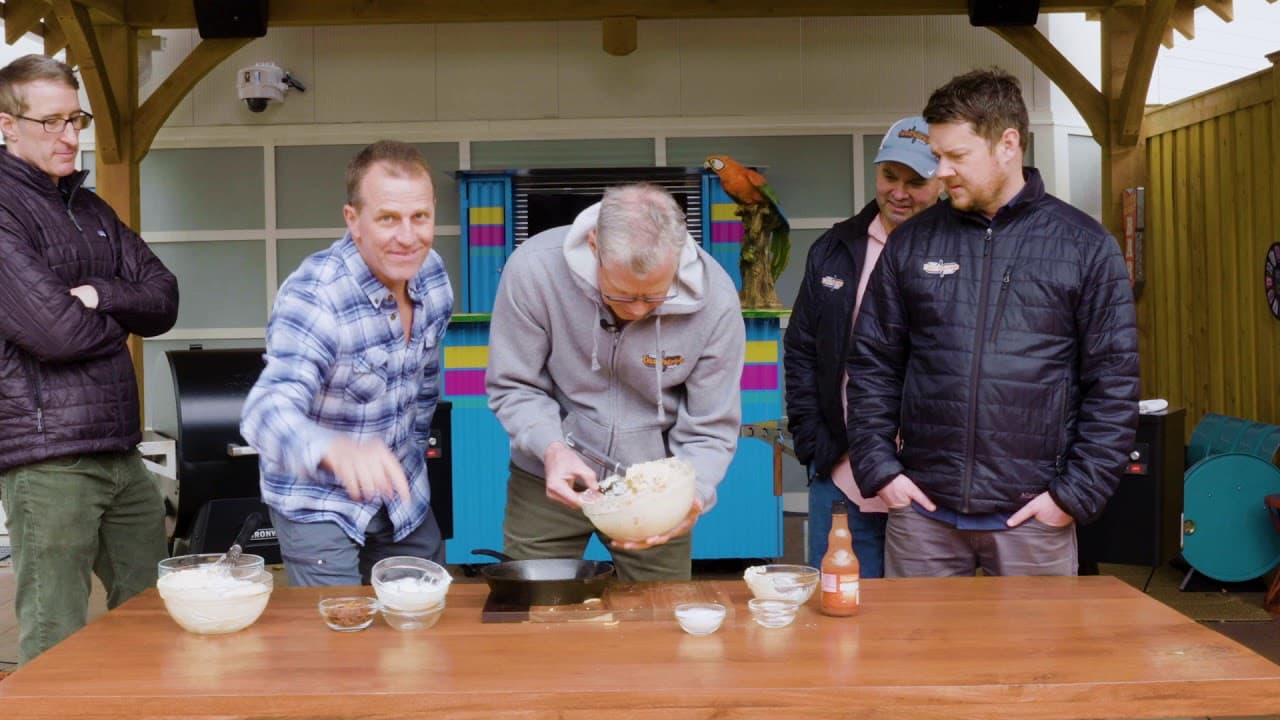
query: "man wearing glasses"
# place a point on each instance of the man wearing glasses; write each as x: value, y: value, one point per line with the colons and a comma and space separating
x: 620, y: 330
x: 74, y: 283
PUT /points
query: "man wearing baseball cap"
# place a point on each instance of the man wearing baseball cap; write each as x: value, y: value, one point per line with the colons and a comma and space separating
x: 817, y: 338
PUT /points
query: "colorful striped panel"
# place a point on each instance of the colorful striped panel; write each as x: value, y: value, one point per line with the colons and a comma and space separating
x: 487, y: 215
x: 725, y: 212
x: 762, y: 351
x: 464, y: 382
x: 760, y: 377
x: 466, y: 356
x: 487, y: 235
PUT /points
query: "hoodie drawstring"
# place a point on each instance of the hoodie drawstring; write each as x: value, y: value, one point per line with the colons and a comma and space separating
x: 657, y: 368
x: 595, y: 346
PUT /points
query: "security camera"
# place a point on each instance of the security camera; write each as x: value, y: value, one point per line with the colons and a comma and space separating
x: 264, y: 83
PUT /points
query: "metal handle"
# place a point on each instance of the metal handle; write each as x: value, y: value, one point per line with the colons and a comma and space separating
x: 235, y: 450
x: 596, y: 456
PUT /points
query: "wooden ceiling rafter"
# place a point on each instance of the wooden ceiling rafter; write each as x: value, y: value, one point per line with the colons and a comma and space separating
x: 82, y: 43
x: 54, y: 39
x: 1137, y: 74
x: 22, y: 17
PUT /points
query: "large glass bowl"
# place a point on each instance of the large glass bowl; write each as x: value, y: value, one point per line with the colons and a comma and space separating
x: 409, y: 584
x: 652, y: 499
x: 210, y: 601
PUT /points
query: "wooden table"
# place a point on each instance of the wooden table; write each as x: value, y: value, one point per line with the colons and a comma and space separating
x: 936, y: 648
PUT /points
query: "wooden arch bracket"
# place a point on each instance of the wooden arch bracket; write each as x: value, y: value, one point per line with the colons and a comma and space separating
x: 619, y: 35
x: 82, y: 42
x: 1137, y: 74
x: 1087, y: 99
x: 200, y: 62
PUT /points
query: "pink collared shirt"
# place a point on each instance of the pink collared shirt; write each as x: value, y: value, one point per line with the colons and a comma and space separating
x: 842, y: 473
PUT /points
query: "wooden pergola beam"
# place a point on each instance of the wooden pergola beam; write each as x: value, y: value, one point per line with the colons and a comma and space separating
x: 1222, y: 8
x: 22, y: 17
x: 194, y: 67
x: 1087, y: 99
x: 82, y: 41
x: 112, y: 10
x: 1184, y: 18
x: 159, y: 14
x: 54, y: 39
x: 1137, y: 74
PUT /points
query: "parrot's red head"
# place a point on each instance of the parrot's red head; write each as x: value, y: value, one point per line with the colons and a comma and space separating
x: 719, y: 163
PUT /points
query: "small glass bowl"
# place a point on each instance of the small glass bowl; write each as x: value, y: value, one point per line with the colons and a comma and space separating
x: 782, y: 582
x: 409, y: 585
x: 410, y: 621
x: 348, y: 614
x: 700, y: 618
x: 773, y: 613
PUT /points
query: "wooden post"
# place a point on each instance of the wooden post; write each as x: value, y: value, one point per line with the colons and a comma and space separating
x: 118, y: 182
x: 1275, y: 145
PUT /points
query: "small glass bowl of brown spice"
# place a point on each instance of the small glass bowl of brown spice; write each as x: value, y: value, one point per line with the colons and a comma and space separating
x: 348, y: 614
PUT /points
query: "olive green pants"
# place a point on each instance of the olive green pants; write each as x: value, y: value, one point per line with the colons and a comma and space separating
x: 70, y: 516
x: 537, y: 527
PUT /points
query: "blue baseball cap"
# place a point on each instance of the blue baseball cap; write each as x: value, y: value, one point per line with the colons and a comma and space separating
x: 907, y: 142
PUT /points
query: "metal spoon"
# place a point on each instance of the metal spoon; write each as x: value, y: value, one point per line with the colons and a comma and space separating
x: 614, y: 470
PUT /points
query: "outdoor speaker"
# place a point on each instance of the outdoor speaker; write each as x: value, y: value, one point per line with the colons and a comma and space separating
x: 231, y: 18
x: 1003, y: 13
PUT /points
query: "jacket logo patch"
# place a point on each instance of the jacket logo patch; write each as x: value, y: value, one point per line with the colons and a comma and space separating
x: 940, y: 268
x: 831, y: 282
x: 668, y: 361
x: 102, y: 233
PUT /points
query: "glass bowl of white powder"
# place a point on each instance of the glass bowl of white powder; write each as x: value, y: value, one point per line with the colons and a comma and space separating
x: 209, y: 600
x: 409, y: 584
x: 651, y: 499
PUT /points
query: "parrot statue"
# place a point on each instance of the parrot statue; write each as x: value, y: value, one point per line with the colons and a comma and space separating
x: 750, y: 190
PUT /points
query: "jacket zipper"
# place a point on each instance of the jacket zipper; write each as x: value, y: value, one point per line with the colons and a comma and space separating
x: 39, y: 378
x: 71, y: 196
x: 1004, y: 294
x: 613, y: 381
x: 970, y: 440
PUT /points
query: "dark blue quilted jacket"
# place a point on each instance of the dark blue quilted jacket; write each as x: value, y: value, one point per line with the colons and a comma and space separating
x: 1007, y: 352
x: 67, y: 384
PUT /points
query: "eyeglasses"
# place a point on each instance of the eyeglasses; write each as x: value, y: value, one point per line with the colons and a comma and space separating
x: 56, y: 125
x: 628, y: 299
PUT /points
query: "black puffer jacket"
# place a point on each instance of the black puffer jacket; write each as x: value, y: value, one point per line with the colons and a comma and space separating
x: 1007, y: 352
x: 817, y: 340
x: 67, y: 384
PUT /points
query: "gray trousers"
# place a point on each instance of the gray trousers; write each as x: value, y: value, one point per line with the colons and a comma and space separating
x: 538, y: 527
x: 919, y: 546
x: 320, y: 553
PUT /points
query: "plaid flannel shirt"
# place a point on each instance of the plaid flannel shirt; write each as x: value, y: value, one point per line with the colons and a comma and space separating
x: 337, y: 364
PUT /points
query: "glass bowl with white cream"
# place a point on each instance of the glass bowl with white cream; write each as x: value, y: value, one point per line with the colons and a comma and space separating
x: 409, y: 584
x: 209, y: 600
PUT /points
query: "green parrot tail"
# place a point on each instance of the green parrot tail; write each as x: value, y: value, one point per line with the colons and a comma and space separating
x: 779, y: 251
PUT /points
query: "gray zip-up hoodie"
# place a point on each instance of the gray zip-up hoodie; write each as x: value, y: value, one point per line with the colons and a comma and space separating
x: 560, y: 363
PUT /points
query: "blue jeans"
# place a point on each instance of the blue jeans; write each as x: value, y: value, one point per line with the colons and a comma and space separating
x: 867, y: 528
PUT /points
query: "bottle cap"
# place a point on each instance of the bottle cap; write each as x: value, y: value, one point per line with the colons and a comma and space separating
x: 838, y: 507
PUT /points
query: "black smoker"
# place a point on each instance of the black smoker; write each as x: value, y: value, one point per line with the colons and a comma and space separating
x: 218, y: 472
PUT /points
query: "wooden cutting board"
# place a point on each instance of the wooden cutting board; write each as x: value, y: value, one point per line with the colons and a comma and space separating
x: 621, y: 602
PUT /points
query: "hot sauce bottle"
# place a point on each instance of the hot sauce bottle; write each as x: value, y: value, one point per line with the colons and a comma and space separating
x: 840, y: 569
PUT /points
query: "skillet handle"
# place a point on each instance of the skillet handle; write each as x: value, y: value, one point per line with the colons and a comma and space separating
x: 493, y: 554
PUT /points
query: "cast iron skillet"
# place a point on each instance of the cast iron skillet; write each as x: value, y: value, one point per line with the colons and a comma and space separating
x: 546, y: 581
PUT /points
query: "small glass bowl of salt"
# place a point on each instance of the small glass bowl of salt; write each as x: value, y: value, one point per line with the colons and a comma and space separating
x: 700, y: 618
x: 409, y: 584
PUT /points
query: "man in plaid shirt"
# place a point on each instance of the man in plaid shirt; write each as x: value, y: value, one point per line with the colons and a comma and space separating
x: 341, y: 413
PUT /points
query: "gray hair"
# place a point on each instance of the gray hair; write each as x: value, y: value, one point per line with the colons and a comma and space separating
x: 29, y: 69
x: 640, y: 226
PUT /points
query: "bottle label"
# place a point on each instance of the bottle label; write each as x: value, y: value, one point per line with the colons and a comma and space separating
x: 845, y: 586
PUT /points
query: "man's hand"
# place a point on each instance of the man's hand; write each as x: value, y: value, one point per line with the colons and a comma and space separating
x: 685, y: 526
x: 367, y: 470
x: 562, y: 467
x: 1043, y: 508
x: 87, y: 295
x: 901, y: 491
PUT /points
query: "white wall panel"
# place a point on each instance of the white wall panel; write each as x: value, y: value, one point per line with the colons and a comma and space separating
x: 740, y: 67
x: 177, y: 45
x: 375, y: 73
x: 290, y: 48
x: 955, y: 47
x: 862, y: 65
x: 496, y: 71
x: 594, y: 83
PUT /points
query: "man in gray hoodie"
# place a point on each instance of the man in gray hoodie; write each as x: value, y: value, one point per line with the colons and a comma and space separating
x: 620, y: 330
